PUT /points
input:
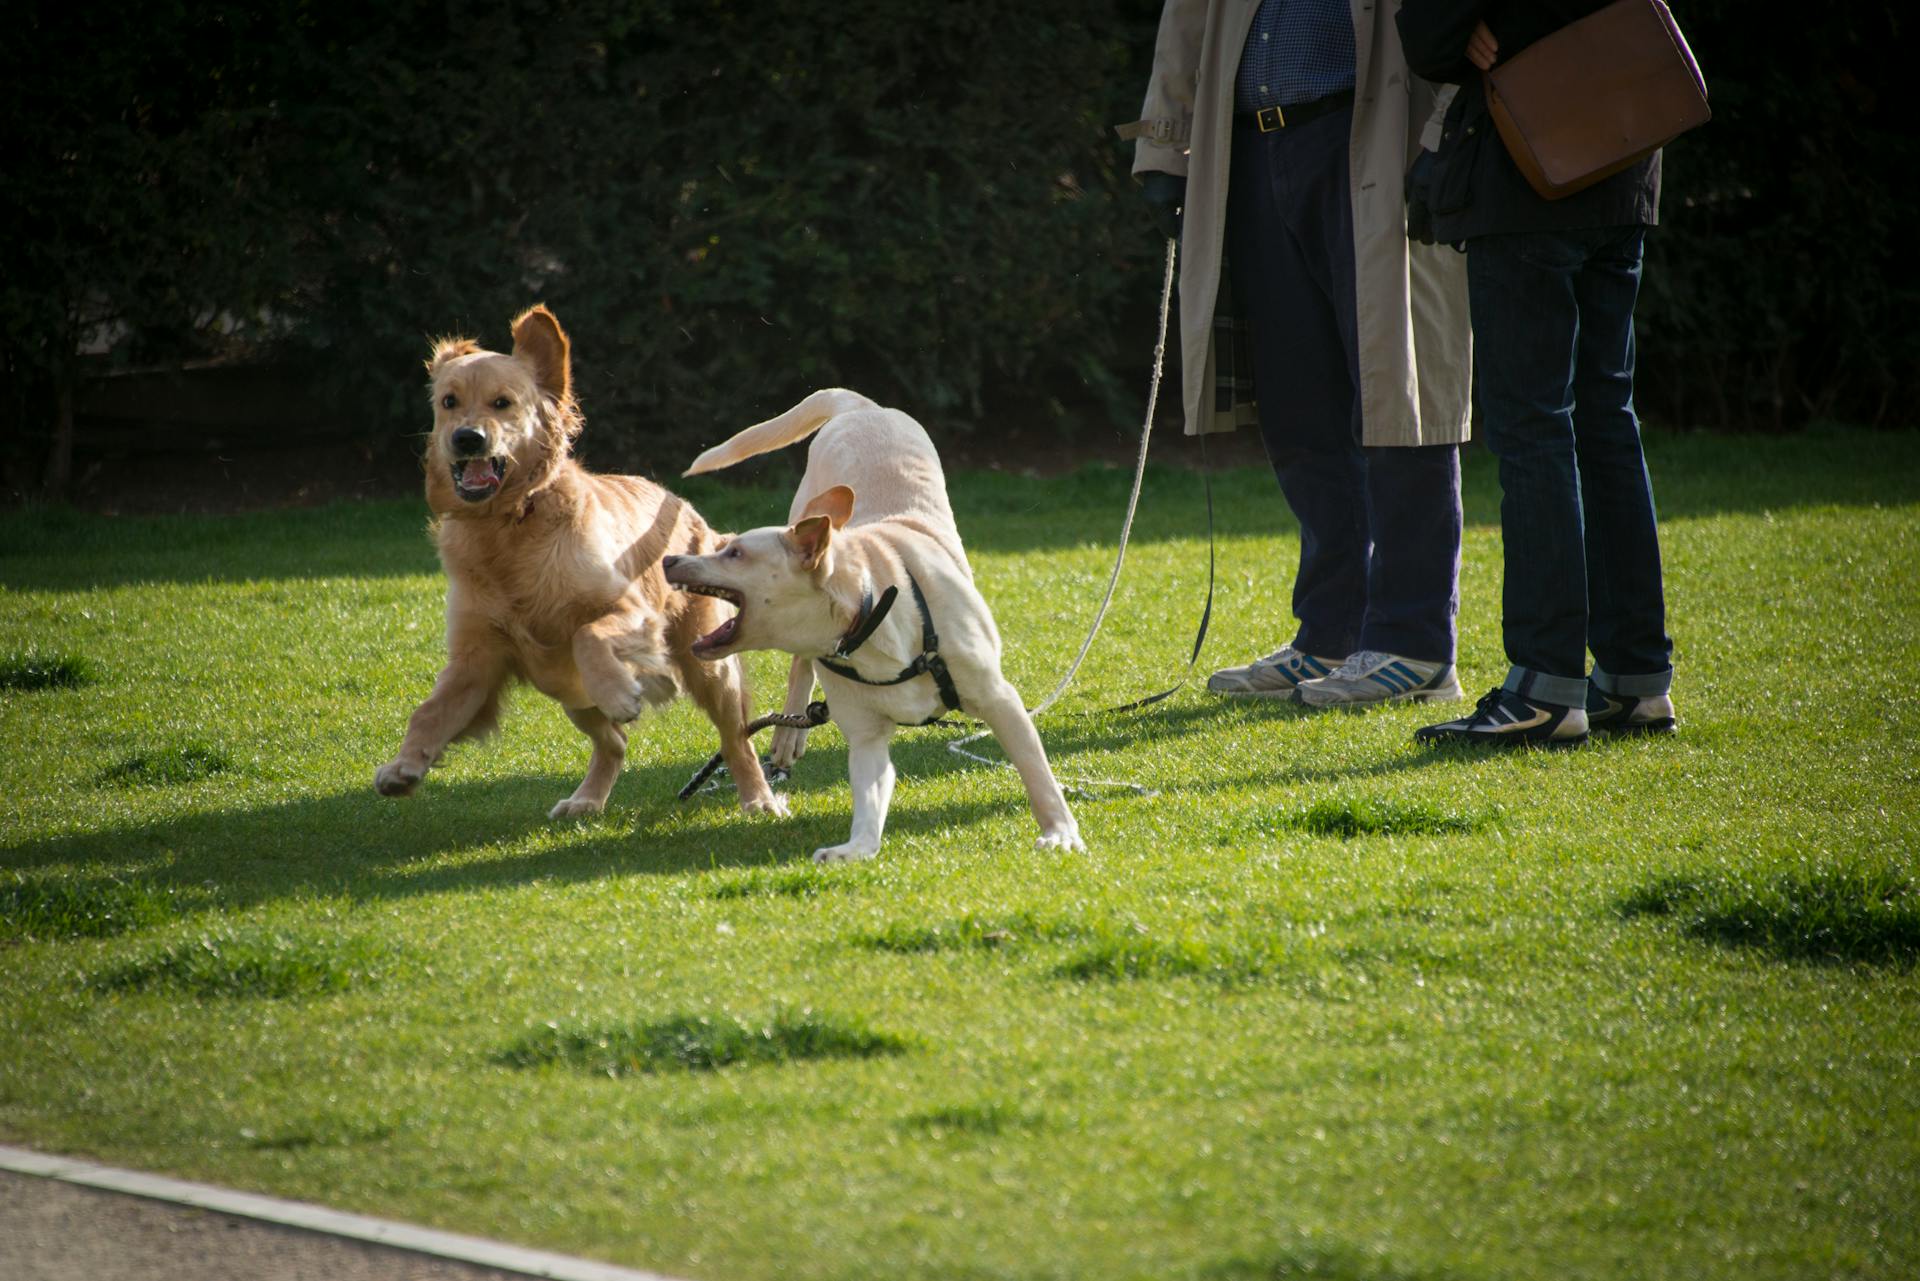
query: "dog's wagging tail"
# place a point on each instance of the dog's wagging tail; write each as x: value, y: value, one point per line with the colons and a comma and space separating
x: 798, y: 423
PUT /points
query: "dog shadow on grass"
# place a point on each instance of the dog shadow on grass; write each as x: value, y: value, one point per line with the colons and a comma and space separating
x: 467, y: 834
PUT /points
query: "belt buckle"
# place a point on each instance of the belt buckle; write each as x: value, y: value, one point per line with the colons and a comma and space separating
x: 1270, y: 119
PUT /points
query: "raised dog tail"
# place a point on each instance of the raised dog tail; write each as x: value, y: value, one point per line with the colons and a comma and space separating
x: 798, y: 423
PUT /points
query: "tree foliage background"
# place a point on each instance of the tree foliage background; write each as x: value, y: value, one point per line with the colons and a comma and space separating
x: 732, y: 202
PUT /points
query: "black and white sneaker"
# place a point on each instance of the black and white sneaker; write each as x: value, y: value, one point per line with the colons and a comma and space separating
x: 1504, y: 719
x: 1626, y: 714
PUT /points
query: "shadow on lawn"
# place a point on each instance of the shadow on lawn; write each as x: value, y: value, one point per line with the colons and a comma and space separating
x: 361, y: 846
x: 1193, y: 710
x: 60, y: 549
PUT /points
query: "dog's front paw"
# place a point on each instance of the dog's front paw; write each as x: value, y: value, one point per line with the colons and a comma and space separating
x: 397, y: 778
x: 851, y: 852
x: 1060, y: 838
x: 621, y: 702
x: 577, y: 807
x: 789, y: 745
x: 630, y: 688
x: 653, y: 679
x: 657, y: 689
x: 772, y: 803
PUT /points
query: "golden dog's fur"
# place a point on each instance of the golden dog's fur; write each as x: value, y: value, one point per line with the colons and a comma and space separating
x: 553, y: 574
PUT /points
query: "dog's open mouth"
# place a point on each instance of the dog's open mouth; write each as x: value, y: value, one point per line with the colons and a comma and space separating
x: 477, y: 479
x: 724, y: 635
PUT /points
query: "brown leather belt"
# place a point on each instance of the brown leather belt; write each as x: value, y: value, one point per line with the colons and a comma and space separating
x: 1268, y: 119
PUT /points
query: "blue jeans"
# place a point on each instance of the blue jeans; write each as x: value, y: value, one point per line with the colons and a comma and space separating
x: 1553, y: 366
x: 1379, y: 527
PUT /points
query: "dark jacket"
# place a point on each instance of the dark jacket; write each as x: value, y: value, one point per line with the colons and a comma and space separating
x: 1477, y: 190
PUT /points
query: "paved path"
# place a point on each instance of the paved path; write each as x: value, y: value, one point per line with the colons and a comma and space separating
x: 54, y: 1231
x: 62, y: 1220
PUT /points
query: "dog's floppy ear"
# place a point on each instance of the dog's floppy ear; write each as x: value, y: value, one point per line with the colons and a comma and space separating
x: 811, y: 535
x: 539, y: 341
x: 445, y: 349
x: 835, y: 504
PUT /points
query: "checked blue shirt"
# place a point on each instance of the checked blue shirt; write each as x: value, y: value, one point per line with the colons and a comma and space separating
x: 1297, y: 50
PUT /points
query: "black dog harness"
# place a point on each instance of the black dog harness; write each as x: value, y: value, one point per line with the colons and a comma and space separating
x: 929, y: 663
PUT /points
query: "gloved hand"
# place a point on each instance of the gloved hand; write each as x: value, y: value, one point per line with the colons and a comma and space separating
x: 1419, y: 198
x: 1166, y: 196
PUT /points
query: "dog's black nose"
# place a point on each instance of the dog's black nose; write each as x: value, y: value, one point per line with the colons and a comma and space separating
x: 469, y: 440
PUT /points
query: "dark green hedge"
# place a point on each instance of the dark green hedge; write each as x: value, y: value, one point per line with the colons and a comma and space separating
x: 728, y: 204
x: 731, y: 203
x: 1784, y: 284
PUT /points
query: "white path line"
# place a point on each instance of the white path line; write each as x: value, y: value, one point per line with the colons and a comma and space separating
x: 315, y: 1218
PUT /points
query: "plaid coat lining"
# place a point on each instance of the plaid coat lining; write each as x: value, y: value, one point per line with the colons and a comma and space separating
x: 1232, y: 359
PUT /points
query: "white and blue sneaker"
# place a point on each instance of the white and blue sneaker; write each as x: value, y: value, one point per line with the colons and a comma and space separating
x: 1504, y: 719
x: 1369, y: 676
x: 1275, y: 676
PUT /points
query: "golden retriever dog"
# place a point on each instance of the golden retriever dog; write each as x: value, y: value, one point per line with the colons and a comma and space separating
x: 553, y: 575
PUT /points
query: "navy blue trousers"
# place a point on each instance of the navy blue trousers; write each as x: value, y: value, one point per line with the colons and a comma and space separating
x: 1553, y: 360
x: 1379, y: 527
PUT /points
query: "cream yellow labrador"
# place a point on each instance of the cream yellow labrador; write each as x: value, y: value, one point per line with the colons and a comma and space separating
x: 869, y: 589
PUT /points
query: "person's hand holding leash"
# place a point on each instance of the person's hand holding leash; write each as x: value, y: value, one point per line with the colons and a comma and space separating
x: 1166, y: 195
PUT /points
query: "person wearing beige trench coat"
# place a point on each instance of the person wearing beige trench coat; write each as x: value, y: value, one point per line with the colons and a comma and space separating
x: 1345, y: 343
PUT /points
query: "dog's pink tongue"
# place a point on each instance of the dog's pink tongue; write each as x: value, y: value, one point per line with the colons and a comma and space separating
x: 477, y: 472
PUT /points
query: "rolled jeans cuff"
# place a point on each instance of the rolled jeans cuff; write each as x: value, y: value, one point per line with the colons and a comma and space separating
x: 1638, y: 686
x: 1561, y: 691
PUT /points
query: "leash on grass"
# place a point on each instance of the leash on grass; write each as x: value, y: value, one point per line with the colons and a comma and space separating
x: 815, y: 715
x: 816, y: 712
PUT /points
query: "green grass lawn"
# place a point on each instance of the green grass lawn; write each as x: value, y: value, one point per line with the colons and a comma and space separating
x: 1324, y: 1004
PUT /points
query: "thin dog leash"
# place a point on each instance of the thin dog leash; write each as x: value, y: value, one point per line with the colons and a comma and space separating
x: 959, y: 746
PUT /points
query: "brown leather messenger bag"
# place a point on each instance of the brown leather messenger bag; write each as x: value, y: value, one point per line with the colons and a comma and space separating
x: 1596, y: 96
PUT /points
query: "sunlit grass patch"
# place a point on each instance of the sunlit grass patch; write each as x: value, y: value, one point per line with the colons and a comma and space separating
x: 1838, y: 915
x: 58, y: 907
x: 1351, y: 816
x: 967, y: 933
x: 254, y: 963
x: 991, y: 1116
x: 293, y: 1135
x: 1140, y: 956
x: 168, y: 767
x: 30, y: 669
x: 803, y: 881
x: 1315, y: 1263
x: 701, y: 1043
x: 1309, y: 956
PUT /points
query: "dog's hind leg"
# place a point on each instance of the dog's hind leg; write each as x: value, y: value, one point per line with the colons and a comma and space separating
x: 789, y: 743
x: 485, y: 722
x: 609, y: 754
x: 720, y: 689
x: 467, y: 690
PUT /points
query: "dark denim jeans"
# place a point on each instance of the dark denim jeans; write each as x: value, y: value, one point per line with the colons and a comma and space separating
x: 1553, y: 368
x: 1379, y: 527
